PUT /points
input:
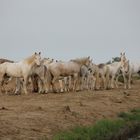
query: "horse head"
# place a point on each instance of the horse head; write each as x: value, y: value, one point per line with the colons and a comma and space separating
x: 88, y: 61
x: 125, y: 66
x: 37, y: 58
x: 123, y: 57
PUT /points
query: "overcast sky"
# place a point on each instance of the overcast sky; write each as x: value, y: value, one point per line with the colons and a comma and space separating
x: 65, y: 29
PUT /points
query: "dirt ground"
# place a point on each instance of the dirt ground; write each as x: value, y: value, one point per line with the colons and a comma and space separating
x: 37, y: 116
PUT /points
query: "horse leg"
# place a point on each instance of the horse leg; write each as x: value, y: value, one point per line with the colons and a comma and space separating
x: 97, y: 86
x: 93, y: 81
x: 34, y: 79
x: 2, y: 83
x: 104, y: 82
x: 61, y: 85
x: 125, y: 81
x: 112, y: 81
x: 108, y: 80
x: 116, y: 82
x: 129, y: 80
x: 40, y: 86
x: 69, y: 83
x: 87, y: 82
x: 18, y: 86
x: 45, y: 85
x: 81, y: 83
x: 66, y: 84
x: 75, y: 80
x: 25, y: 82
x: 53, y: 82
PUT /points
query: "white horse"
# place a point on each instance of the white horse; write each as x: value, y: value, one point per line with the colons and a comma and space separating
x: 22, y: 69
x: 42, y: 77
x: 112, y: 70
x: 128, y: 69
x: 104, y: 74
x: 70, y: 68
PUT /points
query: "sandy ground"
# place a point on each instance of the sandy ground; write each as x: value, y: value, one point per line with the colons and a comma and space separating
x: 35, y: 116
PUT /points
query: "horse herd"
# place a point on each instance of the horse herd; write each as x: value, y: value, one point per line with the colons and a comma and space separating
x: 49, y: 75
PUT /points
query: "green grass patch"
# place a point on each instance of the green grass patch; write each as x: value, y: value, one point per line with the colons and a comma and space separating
x: 132, y: 116
x: 102, y: 130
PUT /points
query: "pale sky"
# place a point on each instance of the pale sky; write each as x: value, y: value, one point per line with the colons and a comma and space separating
x: 66, y: 29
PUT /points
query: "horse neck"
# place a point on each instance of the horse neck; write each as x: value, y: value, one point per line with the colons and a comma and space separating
x: 123, y: 59
x: 30, y: 61
x: 119, y: 65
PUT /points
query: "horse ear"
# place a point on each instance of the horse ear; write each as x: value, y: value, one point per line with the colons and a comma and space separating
x: 39, y: 53
x: 121, y: 53
x: 124, y: 53
x: 88, y: 57
x: 35, y: 53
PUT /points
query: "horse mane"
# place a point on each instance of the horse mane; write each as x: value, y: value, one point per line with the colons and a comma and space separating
x: 30, y: 59
x: 101, y: 65
x: 2, y: 60
x: 80, y: 60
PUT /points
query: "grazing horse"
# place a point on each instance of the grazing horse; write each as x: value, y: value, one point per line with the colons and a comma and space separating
x: 22, y: 69
x: 70, y: 68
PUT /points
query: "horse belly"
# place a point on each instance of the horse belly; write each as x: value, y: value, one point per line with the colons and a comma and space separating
x: 14, y: 72
x: 70, y: 70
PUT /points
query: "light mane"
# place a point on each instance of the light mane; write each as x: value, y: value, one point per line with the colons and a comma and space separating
x: 30, y: 59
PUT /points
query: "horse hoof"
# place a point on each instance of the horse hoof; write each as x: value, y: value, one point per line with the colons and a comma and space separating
x: 17, y: 93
